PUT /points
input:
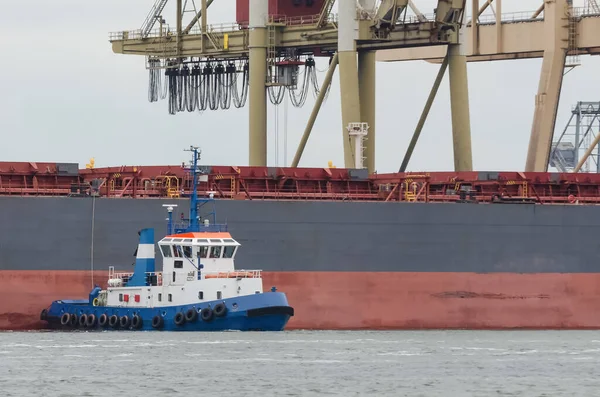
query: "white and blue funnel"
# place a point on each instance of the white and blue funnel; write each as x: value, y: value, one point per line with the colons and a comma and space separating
x: 144, y: 260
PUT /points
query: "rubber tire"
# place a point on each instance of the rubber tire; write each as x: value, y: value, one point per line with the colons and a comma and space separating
x: 65, y: 319
x: 44, y: 315
x: 191, y: 315
x: 91, y: 321
x: 124, y: 322
x: 136, y: 322
x: 206, y: 314
x: 220, y: 310
x: 157, y: 322
x: 82, y: 320
x: 103, y: 320
x: 179, y: 319
x: 113, y: 321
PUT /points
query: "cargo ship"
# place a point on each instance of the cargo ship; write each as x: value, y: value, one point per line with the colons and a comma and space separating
x: 446, y: 250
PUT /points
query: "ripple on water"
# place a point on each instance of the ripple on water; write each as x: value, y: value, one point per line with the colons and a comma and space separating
x: 302, y: 363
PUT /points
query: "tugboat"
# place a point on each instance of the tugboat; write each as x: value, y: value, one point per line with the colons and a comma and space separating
x: 198, y: 289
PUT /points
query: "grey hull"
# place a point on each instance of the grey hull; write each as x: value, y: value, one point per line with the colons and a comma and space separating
x: 56, y: 234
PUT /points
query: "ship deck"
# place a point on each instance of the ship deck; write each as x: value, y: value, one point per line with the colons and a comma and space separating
x: 278, y: 183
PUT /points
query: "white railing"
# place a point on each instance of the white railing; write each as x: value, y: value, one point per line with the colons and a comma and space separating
x: 126, y: 276
x: 233, y: 274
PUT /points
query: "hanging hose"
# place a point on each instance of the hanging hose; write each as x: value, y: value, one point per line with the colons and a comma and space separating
x: 154, y: 83
x: 212, y: 85
x: 309, y: 78
x: 239, y: 100
x: 172, y: 75
x: 276, y: 97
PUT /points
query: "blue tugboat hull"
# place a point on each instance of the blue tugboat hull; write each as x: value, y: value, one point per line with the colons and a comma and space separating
x: 267, y: 311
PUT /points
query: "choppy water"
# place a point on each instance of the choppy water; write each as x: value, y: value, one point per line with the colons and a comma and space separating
x: 300, y: 363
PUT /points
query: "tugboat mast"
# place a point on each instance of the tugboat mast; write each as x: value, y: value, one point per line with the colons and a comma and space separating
x: 194, y: 225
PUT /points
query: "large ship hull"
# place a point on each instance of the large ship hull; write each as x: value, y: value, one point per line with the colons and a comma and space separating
x: 367, y: 300
x: 343, y: 265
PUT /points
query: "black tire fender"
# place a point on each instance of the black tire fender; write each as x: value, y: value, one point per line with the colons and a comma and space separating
x: 136, y: 322
x: 220, y: 310
x: 124, y: 322
x: 191, y: 315
x: 157, y: 322
x: 206, y: 314
x: 179, y: 318
x: 91, y: 320
x: 65, y: 319
x: 83, y: 320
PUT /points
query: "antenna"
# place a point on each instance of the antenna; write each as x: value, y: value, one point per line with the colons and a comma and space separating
x: 193, y: 221
x: 92, y: 245
x: 170, y: 218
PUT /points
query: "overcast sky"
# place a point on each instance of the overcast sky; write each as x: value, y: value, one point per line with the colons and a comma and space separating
x: 67, y: 98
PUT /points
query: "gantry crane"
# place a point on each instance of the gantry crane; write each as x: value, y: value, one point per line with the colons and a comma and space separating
x: 268, y: 50
x: 557, y: 32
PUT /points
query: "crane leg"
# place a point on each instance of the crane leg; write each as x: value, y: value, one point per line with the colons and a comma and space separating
x: 459, y: 103
x: 366, y: 86
x: 547, y: 98
x: 257, y: 79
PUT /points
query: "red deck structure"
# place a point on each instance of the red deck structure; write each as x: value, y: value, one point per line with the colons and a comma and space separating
x: 260, y: 183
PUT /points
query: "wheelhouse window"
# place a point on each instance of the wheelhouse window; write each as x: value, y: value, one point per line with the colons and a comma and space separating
x: 228, y: 251
x: 187, y: 251
x: 202, y: 252
x: 166, y: 251
x: 177, y: 251
x: 215, y: 252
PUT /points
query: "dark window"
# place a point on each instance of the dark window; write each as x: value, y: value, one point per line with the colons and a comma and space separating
x: 200, y: 295
x: 177, y: 265
x: 120, y: 297
x: 173, y: 276
x: 166, y: 250
x: 187, y: 251
x: 203, y: 252
x: 228, y: 251
x: 215, y: 252
x: 160, y: 297
x: 170, y: 298
x: 219, y: 294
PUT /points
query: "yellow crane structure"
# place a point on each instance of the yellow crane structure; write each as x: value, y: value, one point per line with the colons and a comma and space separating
x: 268, y: 51
x: 274, y: 47
x: 557, y: 32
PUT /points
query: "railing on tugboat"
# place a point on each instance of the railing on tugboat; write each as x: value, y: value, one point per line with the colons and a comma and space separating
x: 156, y: 278
x: 234, y: 274
x: 185, y: 227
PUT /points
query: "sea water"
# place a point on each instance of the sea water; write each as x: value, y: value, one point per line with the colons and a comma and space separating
x: 300, y: 363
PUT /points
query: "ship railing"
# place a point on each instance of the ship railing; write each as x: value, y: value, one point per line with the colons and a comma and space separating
x: 234, y: 274
x: 184, y: 226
